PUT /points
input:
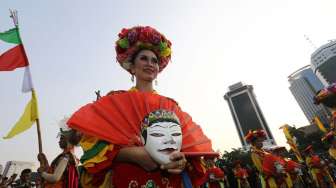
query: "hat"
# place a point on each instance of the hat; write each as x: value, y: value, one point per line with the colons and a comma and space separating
x: 65, y: 130
x: 253, y: 135
x: 142, y: 37
x: 326, y: 96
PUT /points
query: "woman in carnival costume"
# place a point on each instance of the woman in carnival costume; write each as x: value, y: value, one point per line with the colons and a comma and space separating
x: 62, y: 172
x: 318, y: 169
x: 271, y: 167
x: 138, y: 138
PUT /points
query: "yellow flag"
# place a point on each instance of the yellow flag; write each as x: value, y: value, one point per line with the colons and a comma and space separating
x: 291, y: 142
x: 320, y: 125
x: 27, y: 119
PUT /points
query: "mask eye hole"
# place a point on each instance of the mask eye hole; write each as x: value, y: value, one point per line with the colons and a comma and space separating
x: 176, y: 134
x: 156, y: 134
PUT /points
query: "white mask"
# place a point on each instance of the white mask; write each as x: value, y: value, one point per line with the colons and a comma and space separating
x: 163, y: 138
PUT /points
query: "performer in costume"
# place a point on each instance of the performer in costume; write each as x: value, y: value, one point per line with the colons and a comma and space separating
x: 294, y: 170
x: 241, y: 175
x: 120, y: 135
x: 330, y: 138
x: 327, y: 97
x: 318, y: 169
x: 270, y: 167
x: 62, y: 173
x: 214, y: 177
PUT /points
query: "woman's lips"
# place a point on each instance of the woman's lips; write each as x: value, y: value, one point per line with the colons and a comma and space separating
x: 149, y: 70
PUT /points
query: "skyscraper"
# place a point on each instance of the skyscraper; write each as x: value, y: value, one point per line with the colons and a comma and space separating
x: 304, y: 84
x: 323, y: 63
x: 246, y: 112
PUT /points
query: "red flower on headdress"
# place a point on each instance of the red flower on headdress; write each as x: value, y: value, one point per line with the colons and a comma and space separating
x: 123, y: 33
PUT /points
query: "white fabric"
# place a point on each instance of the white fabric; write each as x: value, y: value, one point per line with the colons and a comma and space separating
x: 27, y: 84
x: 161, y: 136
x: 58, y: 172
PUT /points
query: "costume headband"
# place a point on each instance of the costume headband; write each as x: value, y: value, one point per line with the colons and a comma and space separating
x: 159, y: 116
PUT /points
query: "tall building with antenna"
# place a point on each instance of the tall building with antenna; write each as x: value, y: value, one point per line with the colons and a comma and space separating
x: 246, y: 112
x: 323, y: 63
x: 303, y: 85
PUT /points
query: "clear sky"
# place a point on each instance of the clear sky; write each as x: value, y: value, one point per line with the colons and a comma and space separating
x: 70, y: 46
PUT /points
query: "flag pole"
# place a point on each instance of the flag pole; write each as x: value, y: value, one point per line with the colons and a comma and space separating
x: 39, y: 137
x: 13, y: 15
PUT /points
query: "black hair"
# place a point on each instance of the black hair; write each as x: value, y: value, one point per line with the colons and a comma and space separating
x: 25, y: 171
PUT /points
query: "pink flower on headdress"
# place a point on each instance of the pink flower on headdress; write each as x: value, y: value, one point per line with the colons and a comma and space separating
x: 132, y: 36
x: 155, y: 38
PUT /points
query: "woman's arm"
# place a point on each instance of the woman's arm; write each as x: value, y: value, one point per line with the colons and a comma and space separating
x: 58, y: 172
x: 137, y: 155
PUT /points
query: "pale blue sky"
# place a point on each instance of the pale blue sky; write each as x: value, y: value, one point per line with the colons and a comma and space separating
x: 70, y: 45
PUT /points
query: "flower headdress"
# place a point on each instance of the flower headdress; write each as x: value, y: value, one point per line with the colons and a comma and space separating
x: 253, y: 135
x: 159, y: 116
x: 327, y: 96
x: 136, y: 38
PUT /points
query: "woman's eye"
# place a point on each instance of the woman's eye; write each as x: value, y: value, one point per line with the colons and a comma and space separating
x: 156, y: 134
x: 155, y: 61
x: 144, y: 58
x: 176, y: 134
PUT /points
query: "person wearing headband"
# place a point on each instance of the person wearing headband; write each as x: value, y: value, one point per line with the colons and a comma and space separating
x: 62, y: 172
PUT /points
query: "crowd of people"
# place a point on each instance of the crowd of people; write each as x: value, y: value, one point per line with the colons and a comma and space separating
x: 139, y: 138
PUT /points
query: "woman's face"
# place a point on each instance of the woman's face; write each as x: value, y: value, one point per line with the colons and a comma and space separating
x: 145, y: 66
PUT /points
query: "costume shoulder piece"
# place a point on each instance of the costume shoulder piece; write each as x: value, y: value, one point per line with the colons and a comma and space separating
x: 117, y: 118
x: 115, y: 92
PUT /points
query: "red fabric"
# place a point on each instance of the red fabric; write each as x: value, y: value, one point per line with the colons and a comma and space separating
x: 125, y: 173
x: 72, y: 177
x: 241, y: 173
x: 196, y: 172
x: 217, y: 172
x: 268, y: 165
x: 13, y: 58
x: 315, y: 161
x: 291, y: 165
x: 117, y: 119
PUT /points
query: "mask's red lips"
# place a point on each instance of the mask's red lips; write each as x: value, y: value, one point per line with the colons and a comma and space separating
x: 167, y: 150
